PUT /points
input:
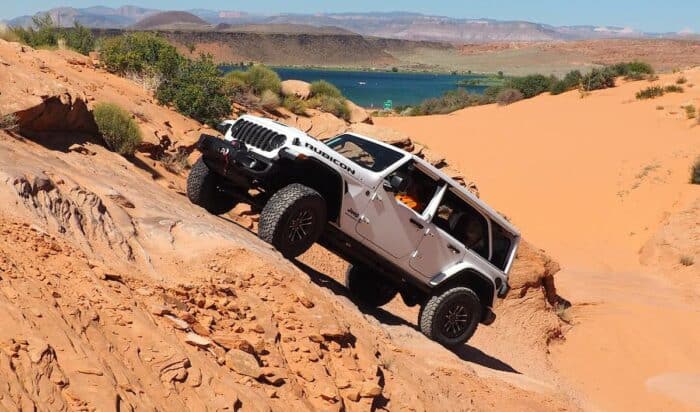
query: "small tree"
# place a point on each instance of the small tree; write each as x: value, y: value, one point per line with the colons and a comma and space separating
x: 196, y: 90
x: 118, y: 129
x: 143, y: 53
x: 80, y: 39
x: 43, y: 32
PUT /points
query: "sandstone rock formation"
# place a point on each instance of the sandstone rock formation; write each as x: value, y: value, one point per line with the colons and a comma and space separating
x: 118, y: 293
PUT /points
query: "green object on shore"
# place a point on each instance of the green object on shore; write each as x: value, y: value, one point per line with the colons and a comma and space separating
x: 388, y: 104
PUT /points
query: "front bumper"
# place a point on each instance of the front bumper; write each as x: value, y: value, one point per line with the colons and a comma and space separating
x: 233, y: 159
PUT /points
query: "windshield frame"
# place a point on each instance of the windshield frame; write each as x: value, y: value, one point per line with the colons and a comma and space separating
x: 393, y: 155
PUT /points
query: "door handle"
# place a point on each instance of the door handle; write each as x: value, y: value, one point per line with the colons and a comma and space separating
x: 453, y: 249
x: 416, y: 223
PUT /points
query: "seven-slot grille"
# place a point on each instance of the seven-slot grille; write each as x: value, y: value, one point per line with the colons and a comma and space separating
x: 257, y: 136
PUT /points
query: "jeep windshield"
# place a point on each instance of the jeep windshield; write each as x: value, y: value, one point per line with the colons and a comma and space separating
x: 365, y: 153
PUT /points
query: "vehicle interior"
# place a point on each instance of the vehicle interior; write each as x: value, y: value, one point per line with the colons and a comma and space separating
x: 365, y: 153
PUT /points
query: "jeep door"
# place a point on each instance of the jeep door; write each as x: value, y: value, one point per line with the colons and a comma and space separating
x: 394, y: 219
x: 456, y: 228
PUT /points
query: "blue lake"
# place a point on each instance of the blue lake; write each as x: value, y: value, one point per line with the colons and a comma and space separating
x: 373, y: 88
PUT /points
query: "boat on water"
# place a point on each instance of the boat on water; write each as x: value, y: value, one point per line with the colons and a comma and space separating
x: 362, y: 83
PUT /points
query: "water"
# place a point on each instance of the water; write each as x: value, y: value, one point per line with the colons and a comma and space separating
x: 372, y: 89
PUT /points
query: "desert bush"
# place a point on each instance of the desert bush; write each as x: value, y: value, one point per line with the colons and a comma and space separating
x: 530, y: 86
x: 636, y: 76
x: 324, y: 88
x: 119, y: 130
x: 270, y: 100
x: 42, y: 32
x: 9, y: 122
x: 140, y: 53
x: 255, y: 80
x: 449, y: 102
x: 508, y: 96
x: 196, y: 90
x: 681, y: 80
x: 336, y: 106
x: 570, y: 81
x: 695, y: 172
x: 631, y: 68
x: 79, y: 38
x: 261, y: 78
x: 598, y: 79
x: 294, y: 105
x: 673, y: 89
x: 8, y: 34
x: 690, y: 111
x: 235, y: 84
x: 491, y: 92
x: 650, y: 92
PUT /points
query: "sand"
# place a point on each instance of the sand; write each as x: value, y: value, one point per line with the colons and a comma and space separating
x: 592, y: 180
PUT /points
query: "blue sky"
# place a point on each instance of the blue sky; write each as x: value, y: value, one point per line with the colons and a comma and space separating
x: 645, y: 15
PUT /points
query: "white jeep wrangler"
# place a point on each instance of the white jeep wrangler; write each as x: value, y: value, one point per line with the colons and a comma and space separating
x: 405, y: 227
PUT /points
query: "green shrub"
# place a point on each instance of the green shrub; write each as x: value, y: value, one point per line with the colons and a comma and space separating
x: 508, y: 96
x: 449, y: 102
x: 8, y: 34
x: 334, y: 105
x: 324, y: 88
x: 80, y: 39
x: 570, y: 81
x: 140, y: 53
x: 598, y: 79
x: 650, y: 92
x: 673, y: 89
x: 530, y: 86
x: 42, y: 32
x: 118, y: 129
x: 631, y: 68
x: 690, y: 111
x: 235, y: 83
x: 636, y: 76
x: 261, y: 78
x: 269, y: 100
x: 491, y: 92
x: 196, y: 90
x: 294, y: 105
x: 681, y: 80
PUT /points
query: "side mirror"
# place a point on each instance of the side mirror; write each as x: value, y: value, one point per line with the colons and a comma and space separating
x: 396, y: 183
x: 223, y: 128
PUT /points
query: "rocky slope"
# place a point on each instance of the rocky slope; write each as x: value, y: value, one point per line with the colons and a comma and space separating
x: 121, y: 294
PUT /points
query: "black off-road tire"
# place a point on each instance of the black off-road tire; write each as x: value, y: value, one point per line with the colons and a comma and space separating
x: 203, y: 189
x: 369, y: 287
x: 293, y: 219
x: 434, y: 317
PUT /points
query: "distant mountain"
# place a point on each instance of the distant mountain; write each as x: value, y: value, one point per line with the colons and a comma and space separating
x: 396, y: 25
x: 170, y: 20
x: 97, y: 17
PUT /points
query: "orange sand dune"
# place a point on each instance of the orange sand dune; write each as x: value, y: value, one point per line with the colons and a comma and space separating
x: 591, y: 180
